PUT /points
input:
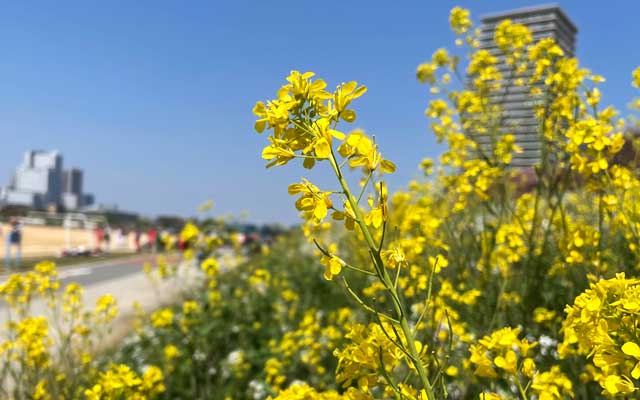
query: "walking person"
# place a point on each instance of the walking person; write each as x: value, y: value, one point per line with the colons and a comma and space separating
x: 136, y: 239
x: 152, y: 236
x: 14, y: 240
x: 107, y: 239
x: 99, y: 233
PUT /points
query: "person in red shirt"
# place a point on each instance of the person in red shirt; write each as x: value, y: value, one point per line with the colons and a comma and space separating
x: 152, y: 236
x: 99, y: 234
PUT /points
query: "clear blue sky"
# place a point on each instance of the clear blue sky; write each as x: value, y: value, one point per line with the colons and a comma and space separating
x: 153, y: 99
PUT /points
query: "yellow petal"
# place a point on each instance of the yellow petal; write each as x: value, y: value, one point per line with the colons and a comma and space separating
x: 349, y: 86
x: 259, y: 109
x: 327, y: 273
x: 364, y: 145
x: 320, y: 211
x: 359, y: 92
x: 260, y: 125
x: 308, y: 75
x: 308, y: 163
x: 636, y: 371
x: 336, y: 134
x: 318, y: 85
x: 295, y: 188
x: 354, y: 138
x: 387, y: 166
x: 269, y: 152
x: 631, y: 349
x: 594, y: 304
x: 322, y: 148
x: 348, y: 115
x: 305, y: 203
x: 603, y: 164
x: 335, y: 265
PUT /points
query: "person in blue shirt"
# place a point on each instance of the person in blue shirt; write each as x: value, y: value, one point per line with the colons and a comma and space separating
x: 14, y: 240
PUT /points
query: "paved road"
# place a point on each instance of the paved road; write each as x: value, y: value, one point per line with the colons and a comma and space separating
x: 96, y: 273
x: 124, y: 279
x: 90, y: 274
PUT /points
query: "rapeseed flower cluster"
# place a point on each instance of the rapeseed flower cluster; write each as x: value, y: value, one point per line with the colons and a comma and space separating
x: 119, y: 381
x: 454, y: 271
x: 601, y: 325
x: 52, y: 356
x: 455, y: 287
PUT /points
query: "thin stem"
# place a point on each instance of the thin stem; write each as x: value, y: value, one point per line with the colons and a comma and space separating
x: 364, y: 186
x: 428, y: 299
x: 395, y: 282
x: 387, y: 378
x: 385, y: 279
x: 344, y: 264
x: 364, y: 305
x: 523, y: 392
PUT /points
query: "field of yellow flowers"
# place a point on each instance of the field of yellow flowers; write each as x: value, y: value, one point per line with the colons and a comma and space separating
x: 477, y: 282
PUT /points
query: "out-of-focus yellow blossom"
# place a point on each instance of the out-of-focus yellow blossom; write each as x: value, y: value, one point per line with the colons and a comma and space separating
x: 190, y: 307
x: 460, y: 20
x: 636, y: 77
x: 542, y: 315
x: 189, y: 232
x: 170, y: 352
x: 210, y: 267
x: 33, y: 341
x: 505, y: 148
x: 489, y: 396
x: 40, y: 392
x: 152, y: 380
x: 162, y: 318
x: 106, y: 307
x: 511, y: 39
x: 498, y: 352
x: 302, y: 391
x: 119, y: 381
x: 552, y: 385
x: 206, y: 206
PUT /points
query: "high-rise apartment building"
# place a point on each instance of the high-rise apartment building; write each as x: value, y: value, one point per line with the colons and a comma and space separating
x: 547, y: 21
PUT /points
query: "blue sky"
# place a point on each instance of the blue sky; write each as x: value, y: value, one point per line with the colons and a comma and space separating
x: 153, y: 99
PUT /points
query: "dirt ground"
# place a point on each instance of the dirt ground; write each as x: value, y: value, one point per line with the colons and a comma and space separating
x: 45, y: 241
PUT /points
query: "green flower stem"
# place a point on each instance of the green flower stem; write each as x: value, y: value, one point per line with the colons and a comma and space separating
x: 386, y: 280
x: 523, y: 391
x: 364, y: 305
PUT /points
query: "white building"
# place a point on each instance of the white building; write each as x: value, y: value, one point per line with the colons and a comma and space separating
x: 40, y: 182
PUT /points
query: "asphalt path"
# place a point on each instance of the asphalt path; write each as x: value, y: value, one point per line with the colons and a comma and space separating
x: 87, y: 275
x: 90, y: 274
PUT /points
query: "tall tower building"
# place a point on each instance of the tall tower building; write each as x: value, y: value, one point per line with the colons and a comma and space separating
x: 547, y: 21
x: 72, y: 181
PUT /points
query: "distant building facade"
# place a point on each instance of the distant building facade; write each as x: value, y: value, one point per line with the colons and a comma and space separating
x: 40, y: 182
x: 547, y: 21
